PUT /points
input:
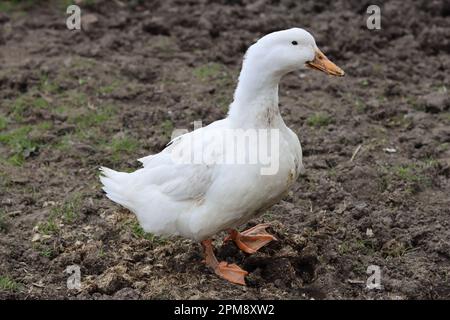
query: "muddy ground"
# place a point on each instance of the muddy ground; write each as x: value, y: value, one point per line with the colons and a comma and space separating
x: 71, y: 101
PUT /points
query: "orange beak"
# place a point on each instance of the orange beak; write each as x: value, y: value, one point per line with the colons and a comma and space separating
x: 321, y: 63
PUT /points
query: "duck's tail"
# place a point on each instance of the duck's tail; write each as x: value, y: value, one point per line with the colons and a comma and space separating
x: 156, y: 212
x: 115, y: 185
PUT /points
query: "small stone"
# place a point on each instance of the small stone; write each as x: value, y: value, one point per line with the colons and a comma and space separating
x: 88, y: 20
x: 48, y: 203
x: 436, y: 102
x: 390, y: 150
x: 36, y: 237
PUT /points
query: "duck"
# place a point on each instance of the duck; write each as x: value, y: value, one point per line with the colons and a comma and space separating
x: 197, y: 187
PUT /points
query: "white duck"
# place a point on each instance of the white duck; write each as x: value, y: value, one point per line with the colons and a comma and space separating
x: 197, y: 200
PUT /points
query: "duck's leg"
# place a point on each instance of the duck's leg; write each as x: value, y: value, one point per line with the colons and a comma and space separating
x: 251, y: 240
x: 231, y: 272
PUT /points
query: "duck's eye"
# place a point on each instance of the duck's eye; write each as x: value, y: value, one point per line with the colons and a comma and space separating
x: 294, y: 43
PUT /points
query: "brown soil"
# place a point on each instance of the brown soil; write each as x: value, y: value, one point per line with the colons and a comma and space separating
x: 71, y: 101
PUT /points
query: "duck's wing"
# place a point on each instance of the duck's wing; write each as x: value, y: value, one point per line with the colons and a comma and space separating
x: 181, y: 169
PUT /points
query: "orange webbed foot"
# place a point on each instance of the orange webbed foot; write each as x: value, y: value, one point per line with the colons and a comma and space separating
x: 253, y: 239
x: 231, y: 272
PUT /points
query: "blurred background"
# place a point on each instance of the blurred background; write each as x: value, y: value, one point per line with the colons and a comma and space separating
x: 376, y: 146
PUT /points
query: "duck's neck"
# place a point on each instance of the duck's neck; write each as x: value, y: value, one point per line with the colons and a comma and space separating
x: 256, y: 99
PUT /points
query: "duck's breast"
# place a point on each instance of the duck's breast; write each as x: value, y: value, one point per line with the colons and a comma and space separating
x: 240, y: 191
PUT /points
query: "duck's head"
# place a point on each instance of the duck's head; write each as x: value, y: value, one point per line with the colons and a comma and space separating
x: 288, y: 50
